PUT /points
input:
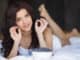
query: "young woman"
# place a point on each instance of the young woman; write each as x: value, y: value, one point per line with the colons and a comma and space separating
x: 22, y: 30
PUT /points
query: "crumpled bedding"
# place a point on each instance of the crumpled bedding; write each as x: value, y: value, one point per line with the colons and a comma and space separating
x: 69, y: 52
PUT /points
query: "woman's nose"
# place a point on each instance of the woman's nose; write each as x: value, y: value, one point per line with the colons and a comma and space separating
x: 24, y: 20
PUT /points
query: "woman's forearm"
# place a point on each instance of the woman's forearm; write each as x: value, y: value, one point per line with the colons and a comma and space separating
x: 48, y: 37
x: 14, y: 50
x: 41, y: 40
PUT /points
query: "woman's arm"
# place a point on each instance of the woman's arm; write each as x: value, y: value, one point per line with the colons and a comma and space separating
x: 45, y: 39
x: 42, y: 42
x: 14, y: 50
x: 48, y: 37
x: 17, y: 38
x: 55, y: 27
x: 40, y: 27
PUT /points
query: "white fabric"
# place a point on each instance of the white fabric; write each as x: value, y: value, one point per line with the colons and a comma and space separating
x: 22, y: 58
x: 41, y: 55
x: 2, y: 58
x: 63, y: 57
x: 69, y: 52
x: 75, y: 40
x: 24, y: 52
x: 56, y: 43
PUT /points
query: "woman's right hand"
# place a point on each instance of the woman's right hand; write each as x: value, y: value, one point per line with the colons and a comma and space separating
x: 15, y: 35
x: 41, y: 25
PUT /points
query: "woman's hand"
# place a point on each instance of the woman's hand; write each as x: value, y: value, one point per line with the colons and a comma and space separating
x: 41, y: 25
x: 15, y: 34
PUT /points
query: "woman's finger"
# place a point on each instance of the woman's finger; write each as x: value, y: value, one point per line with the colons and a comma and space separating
x: 44, y: 21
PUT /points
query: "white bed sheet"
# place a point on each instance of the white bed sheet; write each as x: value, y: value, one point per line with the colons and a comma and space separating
x: 69, y: 52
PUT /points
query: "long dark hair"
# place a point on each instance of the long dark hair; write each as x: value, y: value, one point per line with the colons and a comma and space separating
x: 10, y: 20
x: 34, y: 3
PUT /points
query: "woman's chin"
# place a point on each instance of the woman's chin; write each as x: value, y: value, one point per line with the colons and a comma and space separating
x: 27, y: 30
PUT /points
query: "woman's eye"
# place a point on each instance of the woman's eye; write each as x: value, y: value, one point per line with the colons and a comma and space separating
x: 27, y: 15
x: 18, y: 19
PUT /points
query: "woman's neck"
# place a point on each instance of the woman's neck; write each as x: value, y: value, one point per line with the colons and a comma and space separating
x: 26, y: 39
x: 26, y: 34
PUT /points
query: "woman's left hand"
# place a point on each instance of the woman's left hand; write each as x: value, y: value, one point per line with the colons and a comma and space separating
x: 41, y: 25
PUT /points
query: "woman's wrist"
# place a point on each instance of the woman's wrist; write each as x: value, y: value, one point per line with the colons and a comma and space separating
x: 16, y: 42
x: 39, y: 33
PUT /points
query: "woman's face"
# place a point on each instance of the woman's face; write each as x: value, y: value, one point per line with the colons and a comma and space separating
x: 23, y: 20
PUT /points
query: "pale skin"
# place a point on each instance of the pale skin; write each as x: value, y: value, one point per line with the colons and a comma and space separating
x: 23, y: 37
x: 48, y: 37
x: 56, y: 28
